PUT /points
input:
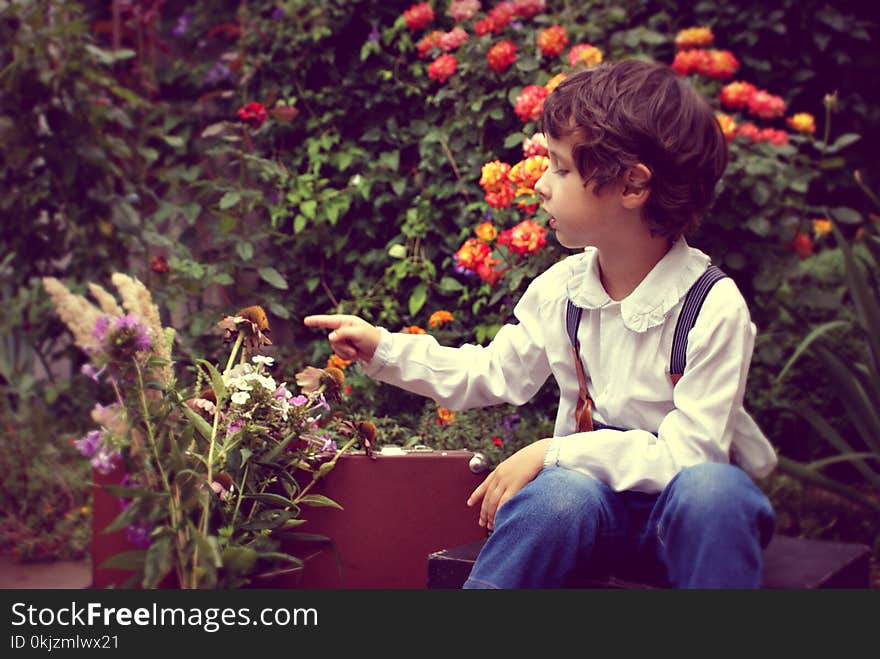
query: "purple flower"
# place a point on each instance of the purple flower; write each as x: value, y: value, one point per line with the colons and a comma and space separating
x: 89, y: 444
x: 104, y: 460
x: 299, y: 401
x: 143, y: 341
x: 139, y: 534
x: 182, y: 25
x: 374, y: 35
x: 234, y: 427
x: 89, y: 370
x: 102, y: 325
x: 128, y: 321
x: 277, y: 14
x: 218, y: 73
x: 329, y: 445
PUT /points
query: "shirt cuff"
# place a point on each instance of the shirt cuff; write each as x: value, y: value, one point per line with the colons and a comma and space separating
x: 551, y: 457
x: 381, y: 357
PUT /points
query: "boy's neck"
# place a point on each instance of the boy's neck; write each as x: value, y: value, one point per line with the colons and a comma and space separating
x: 622, y: 267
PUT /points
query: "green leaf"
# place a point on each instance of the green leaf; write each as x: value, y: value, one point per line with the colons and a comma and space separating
x: 514, y: 139
x: 319, y: 501
x: 216, y: 381
x: 126, y: 560
x: 158, y: 562
x: 202, y: 426
x: 214, y: 129
x: 239, y: 559
x: 807, y: 341
x: 272, y: 277
x: 229, y: 199
x: 450, y: 285
x: 418, y: 298
x: 245, y: 250
x: 805, y: 473
x: 397, y: 251
x: 846, y: 215
x: 174, y: 141
x: 843, y: 141
x: 309, y: 208
x: 269, y: 497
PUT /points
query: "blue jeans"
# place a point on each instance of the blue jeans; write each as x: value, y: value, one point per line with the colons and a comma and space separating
x: 706, y: 529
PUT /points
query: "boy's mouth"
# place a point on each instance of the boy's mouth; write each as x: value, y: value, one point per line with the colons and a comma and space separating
x: 552, y: 223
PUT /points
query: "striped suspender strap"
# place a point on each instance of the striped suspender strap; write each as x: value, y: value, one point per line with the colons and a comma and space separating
x: 583, y: 411
x: 693, y: 301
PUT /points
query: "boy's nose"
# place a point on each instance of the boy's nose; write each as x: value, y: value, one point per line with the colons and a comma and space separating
x: 541, y: 187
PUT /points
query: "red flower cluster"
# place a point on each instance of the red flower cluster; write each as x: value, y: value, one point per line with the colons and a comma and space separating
x: 801, y: 244
x: 159, y: 265
x: 720, y: 64
x: 765, y: 105
x: 528, y: 8
x: 586, y: 54
x: 530, y: 103
x: 501, y: 55
x: 445, y: 41
x: 527, y: 237
x: 694, y: 37
x: 495, y: 181
x: 552, y: 41
x: 476, y: 256
x: 737, y: 94
x: 756, y: 135
x: 253, y: 113
x: 496, y: 19
x: 418, y: 16
x: 442, y: 67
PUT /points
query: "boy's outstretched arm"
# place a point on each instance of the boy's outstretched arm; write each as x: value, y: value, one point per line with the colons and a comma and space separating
x: 352, y: 337
x: 508, y: 478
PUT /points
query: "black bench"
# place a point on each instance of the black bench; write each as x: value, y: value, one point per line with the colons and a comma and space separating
x: 789, y: 563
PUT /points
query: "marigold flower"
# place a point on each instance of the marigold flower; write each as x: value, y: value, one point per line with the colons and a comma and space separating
x: 253, y: 113
x: 525, y: 174
x: 486, y: 232
x: 463, y: 10
x: 694, y: 37
x: 453, y: 39
x: 530, y: 103
x: 337, y: 361
x: 554, y: 82
x: 821, y: 226
x: 440, y: 318
x: 472, y: 253
x: 765, y: 105
x: 445, y: 416
x: 429, y: 41
x: 584, y: 54
x: 528, y: 8
x: 413, y: 329
x: 802, y: 122
x: 801, y: 244
x: 501, y: 55
x: 527, y: 237
x: 494, y: 175
x: 418, y: 16
x: 488, y: 270
x: 536, y: 145
x: 552, y: 41
x: 442, y: 67
x: 728, y: 125
x: 736, y: 95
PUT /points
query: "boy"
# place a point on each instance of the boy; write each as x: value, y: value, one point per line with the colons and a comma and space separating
x: 647, y: 468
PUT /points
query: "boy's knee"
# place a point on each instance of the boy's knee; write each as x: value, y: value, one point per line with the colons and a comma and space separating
x: 560, y: 494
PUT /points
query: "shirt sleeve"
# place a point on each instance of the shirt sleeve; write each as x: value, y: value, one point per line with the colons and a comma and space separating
x: 511, y: 369
x: 706, y: 404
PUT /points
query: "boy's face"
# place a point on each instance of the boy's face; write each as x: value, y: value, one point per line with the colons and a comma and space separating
x: 580, y: 217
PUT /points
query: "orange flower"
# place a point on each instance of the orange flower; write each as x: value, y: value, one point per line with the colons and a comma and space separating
x: 494, y: 175
x: 821, y: 227
x: 584, y: 54
x: 445, y: 416
x: 802, y: 122
x: 337, y: 361
x: 552, y: 41
x: 536, y: 145
x: 553, y: 83
x: 736, y: 95
x: 530, y: 103
x: 472, y: 253
x: 413, y: 329
x: 431, y: 40
x: 525, y: 174
x: 486, y: 232
x: 501, y: 55
x: 728, y: 125
x: 527, y: 237
x: 488, y: 270
x: 694, y: 37
x: 440, y: 318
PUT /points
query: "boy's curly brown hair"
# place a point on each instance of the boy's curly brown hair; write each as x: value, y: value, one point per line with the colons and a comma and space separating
x: 629, y: 112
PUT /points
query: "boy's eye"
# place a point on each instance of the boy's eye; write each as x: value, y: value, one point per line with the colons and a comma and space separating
x: 561, y: 172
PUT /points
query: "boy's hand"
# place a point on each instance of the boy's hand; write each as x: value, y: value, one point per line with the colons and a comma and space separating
x: 507, y: 479
x: 351, y: 338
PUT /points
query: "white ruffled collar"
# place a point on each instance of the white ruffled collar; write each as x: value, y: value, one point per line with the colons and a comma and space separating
x: 647, y: 306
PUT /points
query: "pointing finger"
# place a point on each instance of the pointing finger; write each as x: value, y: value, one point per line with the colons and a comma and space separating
x: 326, y: 321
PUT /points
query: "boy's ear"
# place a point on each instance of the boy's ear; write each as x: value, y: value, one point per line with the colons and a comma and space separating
x: 636, y: 188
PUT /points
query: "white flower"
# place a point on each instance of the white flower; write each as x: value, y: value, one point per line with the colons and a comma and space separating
x: 262, y: 359
x: 240, y: 397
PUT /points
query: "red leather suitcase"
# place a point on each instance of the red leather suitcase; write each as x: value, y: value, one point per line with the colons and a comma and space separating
x: 397, y: 509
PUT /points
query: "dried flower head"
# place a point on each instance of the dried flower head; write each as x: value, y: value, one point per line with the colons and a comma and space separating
x: 252, y: 321
x: 328, y: 381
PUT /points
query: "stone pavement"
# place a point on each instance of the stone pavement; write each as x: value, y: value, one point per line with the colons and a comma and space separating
x: 50, y: 575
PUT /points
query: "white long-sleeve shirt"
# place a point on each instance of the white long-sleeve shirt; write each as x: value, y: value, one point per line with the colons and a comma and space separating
x: 625, y: 349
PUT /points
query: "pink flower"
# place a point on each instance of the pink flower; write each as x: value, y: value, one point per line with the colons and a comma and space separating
x: 418, y: 16
x: 530, y: 103
x: 442, y: 67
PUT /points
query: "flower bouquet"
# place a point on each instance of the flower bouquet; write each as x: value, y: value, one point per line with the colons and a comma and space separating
x: 217, y: 471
